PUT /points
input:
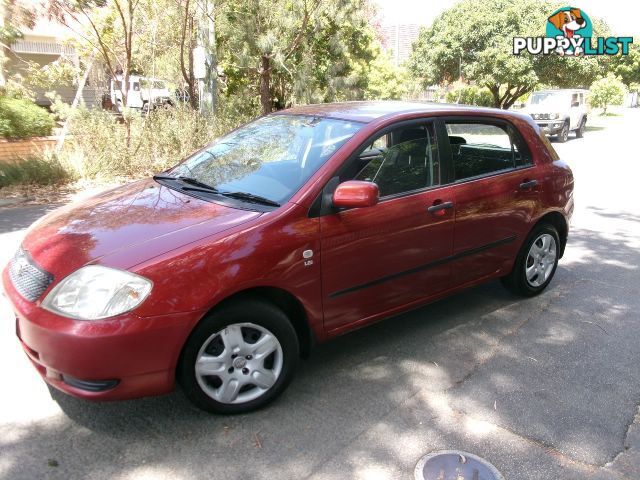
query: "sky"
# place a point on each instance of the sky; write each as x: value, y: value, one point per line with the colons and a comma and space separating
x: 623, y: 16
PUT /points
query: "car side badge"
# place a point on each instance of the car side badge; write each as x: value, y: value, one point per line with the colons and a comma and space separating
x: 307, y: 254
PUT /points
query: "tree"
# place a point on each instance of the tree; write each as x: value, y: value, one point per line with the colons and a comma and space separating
x: 293, y: 49
x: 14, y: 15
x: 386, y: 81
x: 470, y: 95
x: 108, y: 26
x: 474, y: 41
x: 627, y: 67
x: 607, y: 91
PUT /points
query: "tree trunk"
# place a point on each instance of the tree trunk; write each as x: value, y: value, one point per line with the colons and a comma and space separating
x: 194, y: 94
x: 495, y: 93
x: 265, y: 85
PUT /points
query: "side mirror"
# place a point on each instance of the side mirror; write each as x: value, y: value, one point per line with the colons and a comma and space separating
x: 355, y: 194
x: 575, y: 104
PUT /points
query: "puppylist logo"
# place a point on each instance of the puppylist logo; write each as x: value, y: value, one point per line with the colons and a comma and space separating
x: 570, y: 32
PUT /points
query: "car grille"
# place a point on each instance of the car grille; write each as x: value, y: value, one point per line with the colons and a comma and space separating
x: 28, y: 279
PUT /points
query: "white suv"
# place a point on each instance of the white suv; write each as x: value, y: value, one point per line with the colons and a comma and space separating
x: 558, y: 112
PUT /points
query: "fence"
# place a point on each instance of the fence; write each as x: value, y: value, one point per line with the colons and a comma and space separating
x: 17, y: 149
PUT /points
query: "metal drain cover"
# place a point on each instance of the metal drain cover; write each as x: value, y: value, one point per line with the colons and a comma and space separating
x: 455, y: 465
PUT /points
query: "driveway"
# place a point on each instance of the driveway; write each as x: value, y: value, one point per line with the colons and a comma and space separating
x: 544, y: 388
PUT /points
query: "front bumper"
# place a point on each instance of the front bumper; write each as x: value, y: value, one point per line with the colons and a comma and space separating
x: 551, y: 127
x: 122, y: 357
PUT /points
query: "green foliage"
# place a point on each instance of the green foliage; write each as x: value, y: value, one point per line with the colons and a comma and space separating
x: 627, y: 67
x: 470, y: 95
x: 385, y: 80
x: 97, y: 144
x: 309, y: 51
x: 607, y: 91
x: 41, y: 171
x: 48, y: 77
x: 15, y: 15
x: 21, y: 118
x: 473, y: 39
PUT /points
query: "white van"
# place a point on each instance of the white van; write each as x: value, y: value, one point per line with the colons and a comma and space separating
x: 559, y: 112
x: 144, y: 93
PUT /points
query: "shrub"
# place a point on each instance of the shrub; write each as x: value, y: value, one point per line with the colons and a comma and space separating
x: 470, y: 95
x: 97, y: 145
x: 37, y: 170
x: 21, y: 118
x: 607, y: 91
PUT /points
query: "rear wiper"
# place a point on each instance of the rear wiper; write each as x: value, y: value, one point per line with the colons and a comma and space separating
x: 201, y: 187
x: 251, y: 198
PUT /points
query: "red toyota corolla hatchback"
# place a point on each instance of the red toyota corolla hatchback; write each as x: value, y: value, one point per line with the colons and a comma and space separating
x: 300, y: 226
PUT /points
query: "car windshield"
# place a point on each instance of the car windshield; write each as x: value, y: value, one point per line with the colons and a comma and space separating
x: 271, y: 157
x: 549, y: 98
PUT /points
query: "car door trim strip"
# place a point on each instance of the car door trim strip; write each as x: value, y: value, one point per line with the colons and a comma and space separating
x: 419, y: 268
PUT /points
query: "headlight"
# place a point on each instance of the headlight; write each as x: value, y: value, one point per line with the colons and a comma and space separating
x: 94, y: 292
x: 553, y: 116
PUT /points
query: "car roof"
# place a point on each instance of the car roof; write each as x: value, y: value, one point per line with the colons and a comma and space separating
x: 368, y: 111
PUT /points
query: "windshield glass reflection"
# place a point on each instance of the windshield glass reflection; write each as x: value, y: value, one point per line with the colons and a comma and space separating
x: 271, y: 157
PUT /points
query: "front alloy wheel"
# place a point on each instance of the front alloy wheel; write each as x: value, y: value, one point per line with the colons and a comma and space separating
x: 239, y: 357
x: 239, y: 363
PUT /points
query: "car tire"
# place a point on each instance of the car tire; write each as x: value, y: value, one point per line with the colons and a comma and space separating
x: 563, y: 136
x: 580, y: 130
x: 239, y: 358
x: 536, y: 262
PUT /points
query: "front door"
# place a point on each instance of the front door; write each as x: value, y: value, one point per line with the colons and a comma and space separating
x: 381, y: 258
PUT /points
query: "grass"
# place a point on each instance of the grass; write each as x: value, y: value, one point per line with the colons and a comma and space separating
x: 33, y: 170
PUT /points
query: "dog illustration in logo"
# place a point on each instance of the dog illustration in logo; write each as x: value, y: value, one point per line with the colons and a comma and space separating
x: 568, y: 22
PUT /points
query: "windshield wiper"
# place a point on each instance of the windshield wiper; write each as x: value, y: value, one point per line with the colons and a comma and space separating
x: 198, y: 186
x: 197, y: 183
x: 251, y: 198
x: 201, y: 187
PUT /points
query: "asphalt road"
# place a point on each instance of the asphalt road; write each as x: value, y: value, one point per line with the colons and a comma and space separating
x: 544, y: 388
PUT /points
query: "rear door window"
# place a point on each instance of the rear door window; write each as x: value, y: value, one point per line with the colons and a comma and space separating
x: 483, y: 148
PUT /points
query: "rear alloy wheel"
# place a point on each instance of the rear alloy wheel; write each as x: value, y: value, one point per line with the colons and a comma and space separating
x: 536, y: 262
x: 239, y: 358
x: 581, y: 128
x: 563, y: 136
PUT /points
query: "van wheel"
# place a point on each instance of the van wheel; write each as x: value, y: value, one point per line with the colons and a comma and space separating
x: 563, y: 136
x: 536, y: 262
x: 580, y: 130
x: 239, y: 358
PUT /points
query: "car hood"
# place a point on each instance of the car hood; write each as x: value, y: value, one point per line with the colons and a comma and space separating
x: 143, y: 217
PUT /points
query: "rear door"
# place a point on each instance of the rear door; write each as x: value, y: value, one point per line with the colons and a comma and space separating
x: 381, y: 258
x: 496, y: 190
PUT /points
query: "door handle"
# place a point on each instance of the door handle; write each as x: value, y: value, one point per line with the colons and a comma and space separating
x: 527, y: 184
x: 439, y: 208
